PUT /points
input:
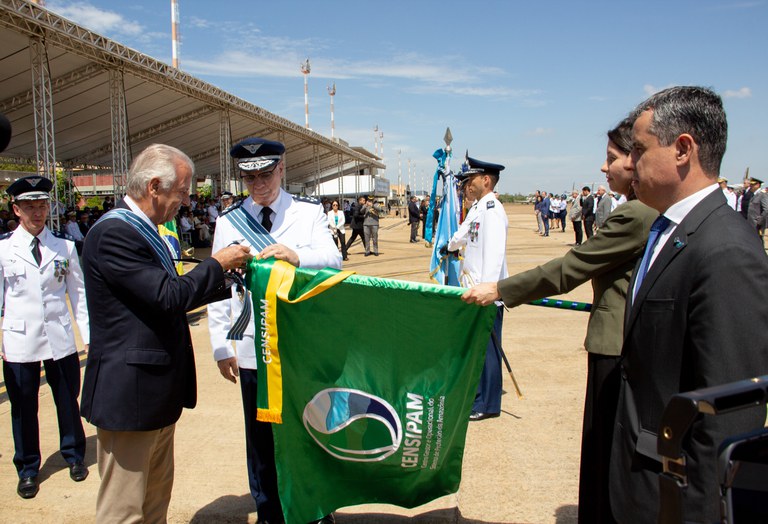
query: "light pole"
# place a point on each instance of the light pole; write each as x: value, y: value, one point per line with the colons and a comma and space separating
x: 332, y: 92
x: 175, y: 33
x: 305, y: 68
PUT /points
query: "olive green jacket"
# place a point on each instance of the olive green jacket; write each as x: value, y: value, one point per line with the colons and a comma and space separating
x: 608, y: 259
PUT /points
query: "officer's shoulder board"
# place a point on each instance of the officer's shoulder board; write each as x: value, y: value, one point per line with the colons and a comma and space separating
x: 490, y: 204
x: 63, y: 236
x: 230, y: 208
x: 307, y: 199
x: 5, y: 236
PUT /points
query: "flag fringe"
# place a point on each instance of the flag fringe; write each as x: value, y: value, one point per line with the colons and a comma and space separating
x: 273, y: 416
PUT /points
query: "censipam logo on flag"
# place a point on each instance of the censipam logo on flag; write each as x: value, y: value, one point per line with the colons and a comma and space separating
x: 353, y: 425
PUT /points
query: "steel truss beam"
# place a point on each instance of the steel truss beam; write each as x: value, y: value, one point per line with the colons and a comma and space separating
x: 42, y: 101
x: 70, y: 79
x: 225, y: 144
x: 150, y: 132
x: 119, y: 131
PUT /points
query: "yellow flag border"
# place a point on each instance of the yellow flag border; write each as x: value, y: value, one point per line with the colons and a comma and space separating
x: 279, y: 287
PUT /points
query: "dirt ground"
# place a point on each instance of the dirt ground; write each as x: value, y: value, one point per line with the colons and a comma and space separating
x: 519, y: 468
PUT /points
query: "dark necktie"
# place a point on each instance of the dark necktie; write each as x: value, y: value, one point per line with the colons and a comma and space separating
x: 36, y: 250
x: 266, y: 220
x: 659, y: 226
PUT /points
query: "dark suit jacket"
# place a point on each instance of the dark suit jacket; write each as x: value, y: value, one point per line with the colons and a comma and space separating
x: 140, y: 371
x: 587, y: 206
x: 689, y: 328
x: 358, y: 215
x: 607, y: 259
x: 414, y: 214
x: 745, y: 198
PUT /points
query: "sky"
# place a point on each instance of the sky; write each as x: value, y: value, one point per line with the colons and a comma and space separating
x: 532, y: 85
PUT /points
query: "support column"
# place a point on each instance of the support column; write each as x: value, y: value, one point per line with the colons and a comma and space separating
x: 42, y: 101
x: 316, y: 157
x: 117, y: 108
x: 225, y: 144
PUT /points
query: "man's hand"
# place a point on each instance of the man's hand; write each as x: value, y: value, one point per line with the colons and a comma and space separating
x: 484, y: 294
x: 228, y: 369
x: 280, y: 252
x: 232, y: 257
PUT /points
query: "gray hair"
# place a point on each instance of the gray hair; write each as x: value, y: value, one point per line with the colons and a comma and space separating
x: 156, y: 161
x: 697, y: 111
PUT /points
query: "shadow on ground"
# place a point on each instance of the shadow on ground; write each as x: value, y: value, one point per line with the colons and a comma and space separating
x: 56, y: 462
x: 567, y: 514
x: 233, y: 509
x: 229, y: 509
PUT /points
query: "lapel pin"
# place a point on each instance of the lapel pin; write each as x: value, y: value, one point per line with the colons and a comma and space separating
x: 678, y: 243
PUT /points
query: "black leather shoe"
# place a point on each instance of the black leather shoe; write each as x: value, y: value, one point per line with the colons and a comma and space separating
x: 476, y: 415
x: 78, y: 472
x: 28, y: 487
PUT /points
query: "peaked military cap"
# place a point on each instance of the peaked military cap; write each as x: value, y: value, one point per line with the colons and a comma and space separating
x: 754, y: 180
x: 472, y: 166
x: 226, y: 194
x: 257, y: 154
x: 30, y: 188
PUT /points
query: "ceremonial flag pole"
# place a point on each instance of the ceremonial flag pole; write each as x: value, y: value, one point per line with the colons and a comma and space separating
x: 444, y: 269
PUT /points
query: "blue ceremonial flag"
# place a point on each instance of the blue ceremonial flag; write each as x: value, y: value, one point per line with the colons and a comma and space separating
x: 429, y: 220
x: 444, y: 269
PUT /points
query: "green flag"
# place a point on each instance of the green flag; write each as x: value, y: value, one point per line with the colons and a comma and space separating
x: 369, y: 383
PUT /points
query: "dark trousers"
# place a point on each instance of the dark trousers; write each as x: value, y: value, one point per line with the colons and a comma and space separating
x: 355, y: 233
x: 603, y: 380
x: 545, y: 219
x: 415, y: 231
x: 23, y: 383
x: 260, y: 453
x: 488, y: 397
x: 589, y: 223
x: 341, y: 244
x: 578, y: 231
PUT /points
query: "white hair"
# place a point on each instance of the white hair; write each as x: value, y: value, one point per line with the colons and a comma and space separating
x: 156, y: 161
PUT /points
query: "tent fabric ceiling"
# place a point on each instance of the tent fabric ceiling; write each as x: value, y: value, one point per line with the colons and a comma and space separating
x: 162, y: 104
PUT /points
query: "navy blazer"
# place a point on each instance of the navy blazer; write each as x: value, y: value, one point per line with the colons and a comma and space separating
x: 140, y: 371
x: 690, y: 327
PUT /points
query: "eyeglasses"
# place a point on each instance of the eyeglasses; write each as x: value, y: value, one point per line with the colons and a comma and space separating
x: 263, y: 176
x: 335, y: 205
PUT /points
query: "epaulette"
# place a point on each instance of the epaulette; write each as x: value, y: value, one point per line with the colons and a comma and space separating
x: 307, y: 199
x: 3, y: 236
x: 230, y: 208
x: 63, y: 236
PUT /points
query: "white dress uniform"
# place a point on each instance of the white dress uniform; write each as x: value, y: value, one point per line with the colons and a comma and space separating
x: 483, y: 235
x: 37, y: 325
x: 299, y: 224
